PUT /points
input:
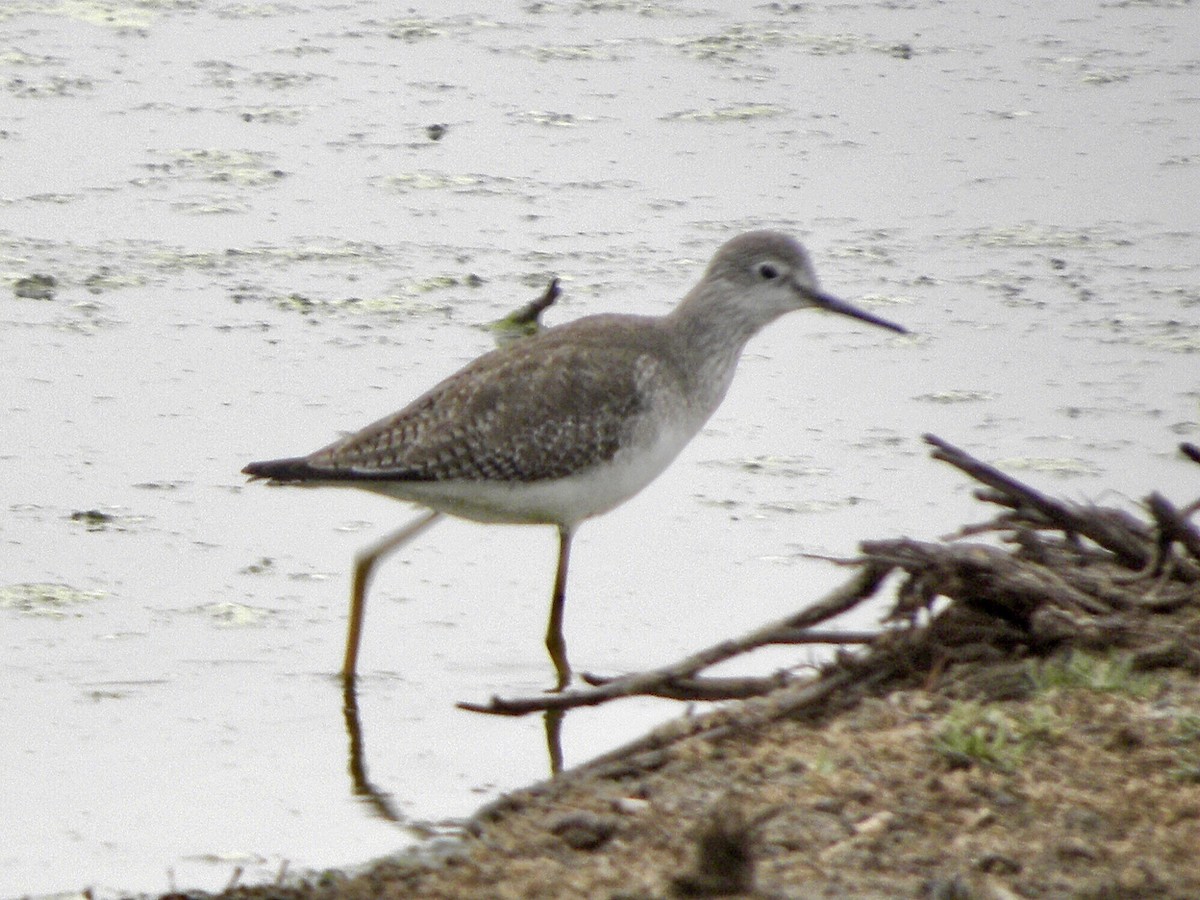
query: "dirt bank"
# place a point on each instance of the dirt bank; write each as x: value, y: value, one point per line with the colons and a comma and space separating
x: 1030, y: 727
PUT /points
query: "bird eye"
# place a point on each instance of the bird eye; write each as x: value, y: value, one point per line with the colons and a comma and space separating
x: 767, y: 272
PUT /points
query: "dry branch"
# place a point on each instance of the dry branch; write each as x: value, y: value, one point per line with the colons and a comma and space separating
x: 1111, y: 529
x: 666, y: 680
x: 1173, y: 526
x: 959, y: 600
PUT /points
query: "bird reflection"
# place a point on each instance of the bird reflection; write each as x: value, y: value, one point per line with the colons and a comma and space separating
x: 553, y: 719
x: 379, y: 800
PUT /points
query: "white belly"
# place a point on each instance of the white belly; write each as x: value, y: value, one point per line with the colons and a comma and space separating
x: 563, y: 501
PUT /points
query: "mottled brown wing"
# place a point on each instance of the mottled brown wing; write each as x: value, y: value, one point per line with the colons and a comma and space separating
x: 539, y: 409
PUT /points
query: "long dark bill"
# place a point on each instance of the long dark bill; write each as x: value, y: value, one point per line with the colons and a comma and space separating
x: 833, y: 304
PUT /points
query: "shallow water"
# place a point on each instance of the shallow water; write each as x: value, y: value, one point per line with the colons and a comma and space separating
x: 256, y: 244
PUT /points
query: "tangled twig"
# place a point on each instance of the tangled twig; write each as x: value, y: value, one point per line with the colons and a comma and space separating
x: 1073, y: 573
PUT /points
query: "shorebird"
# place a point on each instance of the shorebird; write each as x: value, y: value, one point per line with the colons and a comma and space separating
x: 569, y: 423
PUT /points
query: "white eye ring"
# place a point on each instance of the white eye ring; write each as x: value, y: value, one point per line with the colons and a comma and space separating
x: 767, y: 271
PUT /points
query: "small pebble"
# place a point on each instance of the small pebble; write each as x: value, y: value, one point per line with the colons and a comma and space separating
x: 584, y: 830
x: 631, y: 806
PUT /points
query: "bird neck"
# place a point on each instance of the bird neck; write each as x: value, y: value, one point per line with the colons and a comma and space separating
x: 709, y: 330
x: 712, y: 322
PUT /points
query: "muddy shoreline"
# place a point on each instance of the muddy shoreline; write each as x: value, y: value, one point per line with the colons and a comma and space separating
x: 1035, y: 732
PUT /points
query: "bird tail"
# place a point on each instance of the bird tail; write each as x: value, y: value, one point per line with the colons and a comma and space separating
x: 295, y: 468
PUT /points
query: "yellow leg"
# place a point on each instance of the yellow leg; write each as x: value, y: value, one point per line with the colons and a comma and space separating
x: 554, y: 635
x: 364, y: 565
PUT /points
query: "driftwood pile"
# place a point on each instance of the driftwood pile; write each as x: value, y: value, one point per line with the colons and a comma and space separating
x: 1063, y: 573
